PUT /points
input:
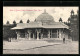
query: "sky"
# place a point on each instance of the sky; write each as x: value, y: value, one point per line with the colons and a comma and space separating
x: 24, y: 13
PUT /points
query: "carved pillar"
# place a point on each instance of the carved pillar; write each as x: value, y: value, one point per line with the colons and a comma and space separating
x: 38, y: 31
x: 18, y: 35
x: 48, y: 33
x: 41, y: 36
x: 37, y: 35
x: 29, y: 34
x: 64, y: 33
x: 60, y: 33
x: 25, y: 34
x: 51, y: 33
x: 57, y: 33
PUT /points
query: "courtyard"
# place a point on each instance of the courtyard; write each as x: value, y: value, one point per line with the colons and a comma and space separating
x: 40, y: 47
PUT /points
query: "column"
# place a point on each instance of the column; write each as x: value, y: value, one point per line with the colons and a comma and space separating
x: 41, y: 36
x: 60, y: 33
x: 64, y: 34
x: 49, y: 33
x: 67, y: 34
x: 37, y: 35
x: 17, y: 35
x: 57, y: 33
x: 29, y: 34
x: 25, y: 34
x: 38, y: 31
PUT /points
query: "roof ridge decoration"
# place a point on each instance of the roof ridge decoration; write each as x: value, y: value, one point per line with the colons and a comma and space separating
x: 72, y: 11
x: 44, y: 10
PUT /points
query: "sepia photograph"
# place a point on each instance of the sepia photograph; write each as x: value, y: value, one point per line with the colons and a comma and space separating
x: 40, y: 30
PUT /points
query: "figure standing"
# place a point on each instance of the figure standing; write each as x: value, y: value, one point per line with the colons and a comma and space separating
x: 63, y: 40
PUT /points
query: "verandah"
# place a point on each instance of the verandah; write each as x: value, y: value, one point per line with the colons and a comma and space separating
x: 39, y: 33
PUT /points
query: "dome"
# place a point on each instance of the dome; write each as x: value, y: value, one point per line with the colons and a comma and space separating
x: 45, y: 17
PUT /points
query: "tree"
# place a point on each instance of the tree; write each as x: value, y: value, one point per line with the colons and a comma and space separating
x: 28, y: 21
x: 64, y: 22
x: 14, y: 22
x: 68, y: 24
x: 69, y: 20
x: 7, y: 22
x: 21, y: 21
x: 60, y: 20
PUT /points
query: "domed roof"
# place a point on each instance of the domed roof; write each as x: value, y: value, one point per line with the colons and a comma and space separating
x: 45, y: 17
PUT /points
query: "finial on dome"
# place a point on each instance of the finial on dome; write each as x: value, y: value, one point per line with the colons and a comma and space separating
x: 44, y: 10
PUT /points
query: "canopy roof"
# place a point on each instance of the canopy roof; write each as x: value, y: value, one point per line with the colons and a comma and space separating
x: 39, y: 25
x: 28, y: 25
